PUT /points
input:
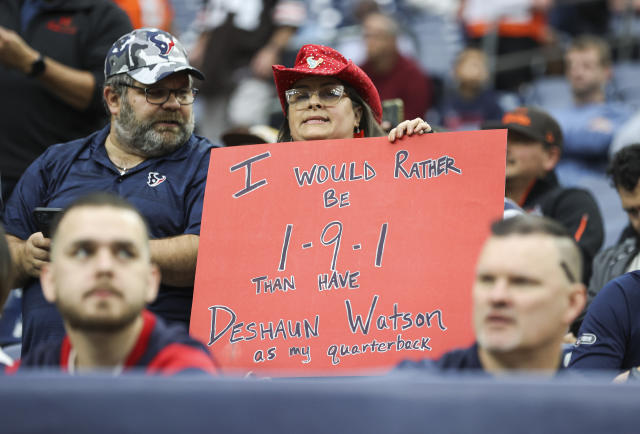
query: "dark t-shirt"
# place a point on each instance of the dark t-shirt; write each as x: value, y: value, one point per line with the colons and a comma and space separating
x: 609, y: 336
x: 76, y: 33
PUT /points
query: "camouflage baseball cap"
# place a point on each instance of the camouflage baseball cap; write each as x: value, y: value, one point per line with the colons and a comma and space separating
x: 148, y: 55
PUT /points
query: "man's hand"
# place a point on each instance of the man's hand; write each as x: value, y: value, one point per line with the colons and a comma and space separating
x: 36, y: 253
x: 28, y: 257
x: 415, y: 126
x: 15, y: 53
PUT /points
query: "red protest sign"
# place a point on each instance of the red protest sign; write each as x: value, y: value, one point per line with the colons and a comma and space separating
x: 342, y: 256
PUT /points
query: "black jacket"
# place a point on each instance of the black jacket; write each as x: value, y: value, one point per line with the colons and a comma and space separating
x: 575, y: 209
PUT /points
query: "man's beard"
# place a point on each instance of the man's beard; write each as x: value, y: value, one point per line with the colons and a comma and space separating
x: 143, y: 139
x: 76, y: 319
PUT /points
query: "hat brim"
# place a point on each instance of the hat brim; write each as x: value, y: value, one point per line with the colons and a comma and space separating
x: 285, y: 77
x: 520, y: 129
x: 154, y: 73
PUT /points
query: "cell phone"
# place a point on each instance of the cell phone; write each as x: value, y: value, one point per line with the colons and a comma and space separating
x: 44, y: 218
x: 392, y: 112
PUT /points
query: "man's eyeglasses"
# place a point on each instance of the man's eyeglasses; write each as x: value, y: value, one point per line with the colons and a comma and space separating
x: 328, y: 95
x: 633, y: 211
x: 160, y: 95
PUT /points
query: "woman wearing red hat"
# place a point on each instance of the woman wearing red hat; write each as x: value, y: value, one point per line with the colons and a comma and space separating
x: 325, y: 96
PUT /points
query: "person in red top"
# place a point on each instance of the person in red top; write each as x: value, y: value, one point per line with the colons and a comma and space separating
x: 394, y: 75
x: 101, y: 277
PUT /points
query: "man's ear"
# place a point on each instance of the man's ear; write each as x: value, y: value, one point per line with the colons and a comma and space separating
x: 112, y: 99
x: 553, y: 154
x: 577, y: 302
x: 47, y: 282
x: 154, y: 283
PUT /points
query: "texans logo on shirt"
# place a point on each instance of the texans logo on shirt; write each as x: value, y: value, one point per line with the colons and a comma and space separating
x: 155, y: 179
x: 164, y: 47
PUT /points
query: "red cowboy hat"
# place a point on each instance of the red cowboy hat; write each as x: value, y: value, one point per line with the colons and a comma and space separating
x: 318, y: 60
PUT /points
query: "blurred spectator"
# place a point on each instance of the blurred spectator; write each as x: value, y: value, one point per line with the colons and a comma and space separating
x: 133, y: 10
x: 147, y: 154
x: 518, y: 25
x: 157, y: 13
x: 624, y: 256
x: 626, y: 135
x: 534, y: 145
x: 471, y: 101
x: 238, y: 44
x: 51, y: 61
x: 394, y: 75
x: 525, y: 295
x: 252, y: 135
x: 577, y: 18
x: 588, y: 126
x: 148, y: 13
x: 100, y: 277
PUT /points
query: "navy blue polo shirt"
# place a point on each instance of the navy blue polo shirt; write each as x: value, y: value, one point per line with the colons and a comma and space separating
x: 167, y: 190
x: 455, y: 361
x: 609, y: 336
x: 463, y: 359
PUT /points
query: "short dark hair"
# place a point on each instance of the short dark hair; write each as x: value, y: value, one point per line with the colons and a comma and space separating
x: 527, y: 224
x: 586, y: 42
x: 368, y: 123
x: 624, y: 168
x: 5, y: 267
x: 97, y: 199
x: 571, y: 259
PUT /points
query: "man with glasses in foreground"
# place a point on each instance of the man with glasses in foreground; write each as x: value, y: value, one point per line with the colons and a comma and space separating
x: 526, y: 293
x: 147, y: 154
x: 609, y: 337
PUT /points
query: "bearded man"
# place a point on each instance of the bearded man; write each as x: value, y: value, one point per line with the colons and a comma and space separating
x: 147, y: 154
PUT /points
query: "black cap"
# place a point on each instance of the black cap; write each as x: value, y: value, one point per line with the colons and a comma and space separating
x: 530, y: 122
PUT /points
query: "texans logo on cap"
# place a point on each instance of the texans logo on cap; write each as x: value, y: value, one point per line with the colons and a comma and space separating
x: 164, y: 47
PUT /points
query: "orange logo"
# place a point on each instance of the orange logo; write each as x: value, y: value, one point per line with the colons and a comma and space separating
x: 515, y: 118
x: 549, y: 137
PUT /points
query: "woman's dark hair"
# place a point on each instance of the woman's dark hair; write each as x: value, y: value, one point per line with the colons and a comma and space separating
x: 368, y: 124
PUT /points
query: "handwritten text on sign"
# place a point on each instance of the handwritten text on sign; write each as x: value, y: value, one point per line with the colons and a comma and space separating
x: 338, y: 257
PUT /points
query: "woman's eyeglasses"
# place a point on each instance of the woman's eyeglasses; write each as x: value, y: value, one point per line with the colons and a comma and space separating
x: 328, y: 95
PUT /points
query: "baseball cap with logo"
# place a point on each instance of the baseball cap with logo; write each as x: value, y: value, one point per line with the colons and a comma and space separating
x: 318, y: 60
x: 148, y: 55
x: 530, y: 122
